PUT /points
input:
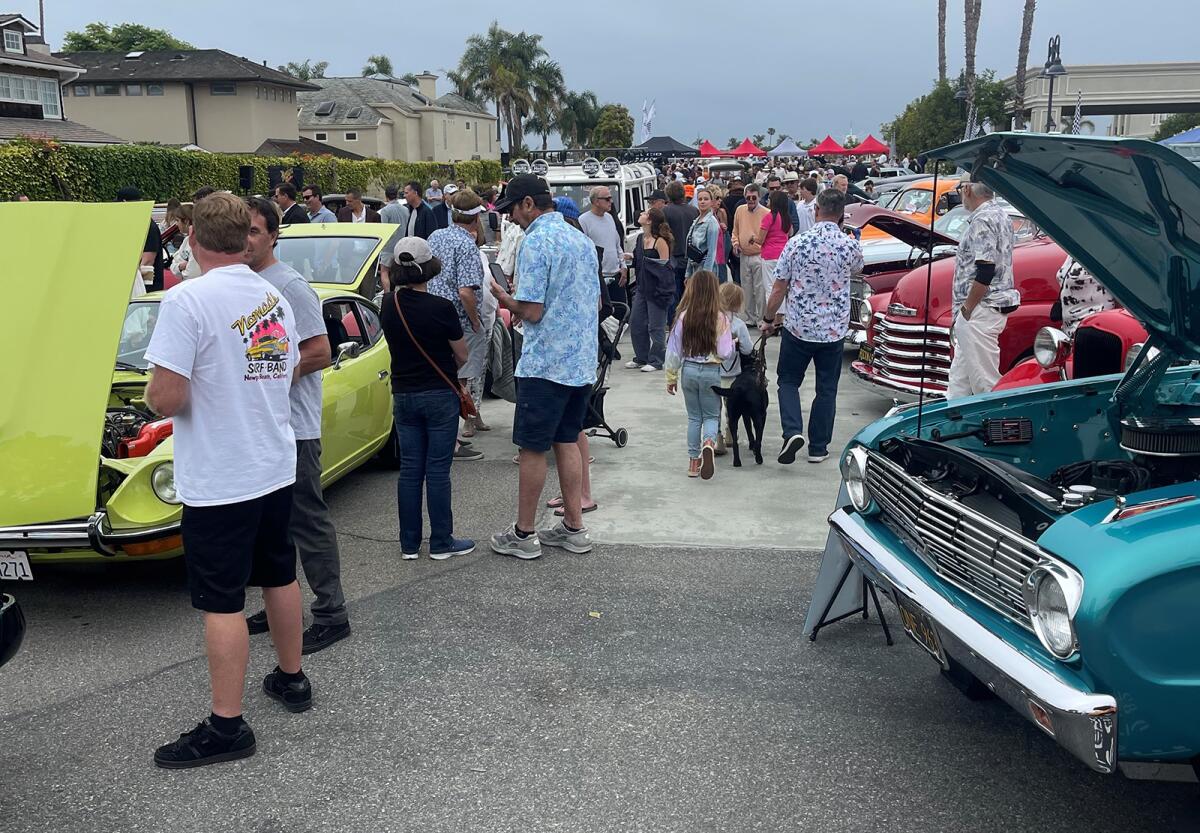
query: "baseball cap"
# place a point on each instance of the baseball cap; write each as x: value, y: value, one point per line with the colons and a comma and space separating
x: 450, y: 188
x: 656, y: 194
x: 413, y: 250
x: 520, y: 187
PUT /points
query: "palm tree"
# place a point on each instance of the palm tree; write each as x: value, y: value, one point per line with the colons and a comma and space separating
x: 548, y: 92
x: 378, y: 65
x: 476, y: 65
x: 771, y: 133
x: 973, y: 9
x: 941, y: 40
x: 462, y: 86
x: 1022, y: 60
x: 499, y: 65
x: 579, y: 114
x: 733, y: 142
x: 305, y: 70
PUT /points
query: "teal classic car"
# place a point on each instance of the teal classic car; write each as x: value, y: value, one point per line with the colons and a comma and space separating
x: 86, y: 469
x: 1040, y: 543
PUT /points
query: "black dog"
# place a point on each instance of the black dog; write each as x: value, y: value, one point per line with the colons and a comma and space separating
x: 747, y: 399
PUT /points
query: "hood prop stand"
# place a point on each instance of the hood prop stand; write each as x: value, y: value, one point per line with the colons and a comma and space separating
x: 928, y: 292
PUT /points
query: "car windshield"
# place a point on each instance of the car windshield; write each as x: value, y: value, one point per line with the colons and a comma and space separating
x: 140, y: 318
x: 914, y: 201
x: 954, y: 223
x: 327, y: 259
x: 578, y: 192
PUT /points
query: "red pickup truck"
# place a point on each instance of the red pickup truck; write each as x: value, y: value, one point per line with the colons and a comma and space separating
x: 903, y: 332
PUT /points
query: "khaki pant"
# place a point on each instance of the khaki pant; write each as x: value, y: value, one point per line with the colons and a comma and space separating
x: 975, y: 367
x: 755, y: 287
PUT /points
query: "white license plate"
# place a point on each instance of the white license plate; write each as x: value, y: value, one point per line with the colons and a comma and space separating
x: 14, y: 566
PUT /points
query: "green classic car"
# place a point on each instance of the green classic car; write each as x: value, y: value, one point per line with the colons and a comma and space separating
x: 85, y: 467
x: 1039, y: 543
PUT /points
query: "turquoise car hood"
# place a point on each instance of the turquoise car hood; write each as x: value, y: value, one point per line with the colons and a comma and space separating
x: 1127, y: 209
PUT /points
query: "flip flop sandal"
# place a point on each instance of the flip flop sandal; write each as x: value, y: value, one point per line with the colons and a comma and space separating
x: 554, y: 502
x: 561, y: 513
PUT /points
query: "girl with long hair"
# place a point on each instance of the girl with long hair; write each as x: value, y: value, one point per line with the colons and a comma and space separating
x: 656, y: 289
x: 703, y: 236
x: 700, y: 341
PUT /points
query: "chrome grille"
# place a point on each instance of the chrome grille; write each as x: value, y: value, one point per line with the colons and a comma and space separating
x: 856, y: 301
x: 899, y: 352
x: 960, y: 545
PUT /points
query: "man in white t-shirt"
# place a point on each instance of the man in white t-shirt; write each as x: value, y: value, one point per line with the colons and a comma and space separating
x: 312, y: 528
x: 224, y: 353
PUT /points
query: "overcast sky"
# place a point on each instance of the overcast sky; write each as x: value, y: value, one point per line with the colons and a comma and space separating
x: 787, y: 64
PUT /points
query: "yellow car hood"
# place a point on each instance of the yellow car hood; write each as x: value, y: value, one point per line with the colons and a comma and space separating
x: 68, y: 273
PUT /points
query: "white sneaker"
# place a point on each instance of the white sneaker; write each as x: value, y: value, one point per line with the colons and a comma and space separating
x: 649, y: 368
x: 817, y: 458
x: 510, y: 543
x: 560, y: 536
x: 410, y: 556
x: 632, y: 365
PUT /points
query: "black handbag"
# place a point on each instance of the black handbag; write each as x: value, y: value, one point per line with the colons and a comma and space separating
x: 694, y: 253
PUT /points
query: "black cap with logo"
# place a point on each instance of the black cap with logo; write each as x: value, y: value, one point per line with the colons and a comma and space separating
x: 520, y: 187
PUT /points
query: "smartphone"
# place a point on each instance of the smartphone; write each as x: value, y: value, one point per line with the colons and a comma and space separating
x: 499, y: 277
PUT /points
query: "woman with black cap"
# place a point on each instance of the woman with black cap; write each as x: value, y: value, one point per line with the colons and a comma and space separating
x: 426, y: 342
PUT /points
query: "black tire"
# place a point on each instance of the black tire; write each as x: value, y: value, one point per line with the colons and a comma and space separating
x: 621, y: 438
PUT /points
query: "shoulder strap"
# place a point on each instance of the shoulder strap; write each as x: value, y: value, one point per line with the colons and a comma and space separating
x: 417, y: 344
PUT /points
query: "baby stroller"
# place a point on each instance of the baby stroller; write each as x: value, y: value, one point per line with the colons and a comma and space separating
x: 594, y: 422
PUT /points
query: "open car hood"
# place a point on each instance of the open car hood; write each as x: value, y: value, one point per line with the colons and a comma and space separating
x: 900, y: 226
x: 69, y: 271
x: 1127, y: 209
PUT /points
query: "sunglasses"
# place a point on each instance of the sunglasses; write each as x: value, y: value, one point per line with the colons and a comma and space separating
x: 773, y: 187
x: 604, y: 199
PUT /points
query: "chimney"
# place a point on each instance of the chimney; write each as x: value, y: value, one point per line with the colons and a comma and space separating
x: 427, y: 85
x: 36, y: 45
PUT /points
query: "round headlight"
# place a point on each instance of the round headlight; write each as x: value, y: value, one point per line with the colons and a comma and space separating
x: 865, y: 313
x: 162, y: 480
x: 866, y: 291
x: 856, y: 479
x: 1132, y: 355
x: 1051, y: 347
x: 1052, y: 596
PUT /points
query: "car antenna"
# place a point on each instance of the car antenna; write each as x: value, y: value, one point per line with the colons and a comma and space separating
x: 928, y: 292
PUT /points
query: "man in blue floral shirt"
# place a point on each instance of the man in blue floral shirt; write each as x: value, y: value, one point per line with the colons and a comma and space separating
x: 813, y: 278
x: 557, y: 297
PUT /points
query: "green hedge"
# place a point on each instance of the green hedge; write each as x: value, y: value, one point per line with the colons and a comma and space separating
x: 51, y: 171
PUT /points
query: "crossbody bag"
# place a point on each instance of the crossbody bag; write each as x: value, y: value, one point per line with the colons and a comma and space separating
x: 466, y: 405
x: 694, y: 253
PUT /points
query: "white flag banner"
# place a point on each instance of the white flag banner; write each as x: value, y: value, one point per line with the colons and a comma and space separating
x: 647, y: 120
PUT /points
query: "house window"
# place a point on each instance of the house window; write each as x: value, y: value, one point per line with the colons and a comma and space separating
x: 133, y: 89
x: 321, y: 137
x: 108, y: 89
x: 23, y: 88
x: 468, y: 124
x: 222, y: 88
x: 81, y: 90
x: 350, y: 136
x: 13, y: 41
x: 48, y: 90
x: 154, y: 89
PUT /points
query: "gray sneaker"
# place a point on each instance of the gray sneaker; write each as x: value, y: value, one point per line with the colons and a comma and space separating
x: 509, y: 543
x: 560, y: 536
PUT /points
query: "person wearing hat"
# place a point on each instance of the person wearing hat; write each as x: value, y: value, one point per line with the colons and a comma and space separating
x: 425, y: 338
x: 557, y: 297
x: 441, y: 209
x: 657, y: 199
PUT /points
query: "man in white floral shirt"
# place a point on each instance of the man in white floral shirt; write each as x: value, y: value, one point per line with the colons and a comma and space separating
x: 813, y: 278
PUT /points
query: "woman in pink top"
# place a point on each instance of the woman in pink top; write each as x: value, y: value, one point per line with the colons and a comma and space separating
x: 773, y: 236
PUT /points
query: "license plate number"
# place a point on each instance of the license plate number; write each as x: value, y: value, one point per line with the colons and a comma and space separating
x: 865, y: 352
x: 14, y: 566
x: 919, y: 627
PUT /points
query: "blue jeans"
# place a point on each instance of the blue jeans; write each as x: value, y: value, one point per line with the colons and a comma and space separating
x: 703, y: 404
x: 794, y: 356
x: 648, y: 330
x: 427, y: 422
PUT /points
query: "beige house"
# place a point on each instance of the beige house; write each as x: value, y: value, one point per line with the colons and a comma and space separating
x: 31, y: 97
x: 386, y: 118
x: 202, y: 97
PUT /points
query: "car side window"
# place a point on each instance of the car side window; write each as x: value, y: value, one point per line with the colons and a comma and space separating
x: 343, y: 324
x: 371, y: 326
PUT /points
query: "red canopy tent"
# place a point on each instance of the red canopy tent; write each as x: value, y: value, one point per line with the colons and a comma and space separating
x: 871, y: 146
x: 747, y: 148
x: 707, y: 148
x: 827, y: 148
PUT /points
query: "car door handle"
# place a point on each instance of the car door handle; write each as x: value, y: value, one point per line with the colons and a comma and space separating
x: 383, y: 374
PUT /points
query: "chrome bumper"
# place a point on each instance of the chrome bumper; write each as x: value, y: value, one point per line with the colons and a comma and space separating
x: 890, y: 389
x: 1085, y: 723
x: 92, y: 533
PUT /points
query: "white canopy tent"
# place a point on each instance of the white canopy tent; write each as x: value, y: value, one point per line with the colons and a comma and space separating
x: 787, y: 147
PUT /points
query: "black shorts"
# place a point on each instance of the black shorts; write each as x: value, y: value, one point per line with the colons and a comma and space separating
x: 548, y: 413
x: 235, y: 545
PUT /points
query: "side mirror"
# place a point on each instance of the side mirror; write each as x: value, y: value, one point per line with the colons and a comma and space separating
x: 346, y: 350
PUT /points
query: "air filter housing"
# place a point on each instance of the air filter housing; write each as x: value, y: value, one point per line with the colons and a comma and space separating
x: 1161, y: 437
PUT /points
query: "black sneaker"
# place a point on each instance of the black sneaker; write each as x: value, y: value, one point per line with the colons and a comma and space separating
x: 205, y: 745
x: 257, y: 623
x: 793, y: 444
x: 295, y: 696
x: 318, y: 637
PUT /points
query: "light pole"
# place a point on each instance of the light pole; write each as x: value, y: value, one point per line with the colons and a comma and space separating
x: 1052, y: 70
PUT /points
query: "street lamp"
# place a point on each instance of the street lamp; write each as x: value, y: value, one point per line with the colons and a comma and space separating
x: 1052, y: 70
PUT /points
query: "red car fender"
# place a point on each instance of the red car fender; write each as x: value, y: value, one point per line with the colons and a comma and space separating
x: 1029, y: 373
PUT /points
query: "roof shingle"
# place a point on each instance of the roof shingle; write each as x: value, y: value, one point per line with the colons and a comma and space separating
x: 347, y: 94
x: 179, y: 65
x: 61, y: 130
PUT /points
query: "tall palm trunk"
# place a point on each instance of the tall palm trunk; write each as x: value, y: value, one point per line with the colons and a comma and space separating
x: 972, y: 11
x: 1022, y: 62
x: 941, y: 40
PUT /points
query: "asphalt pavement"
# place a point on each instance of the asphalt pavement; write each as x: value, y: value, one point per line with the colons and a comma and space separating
x: 659, y: 683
